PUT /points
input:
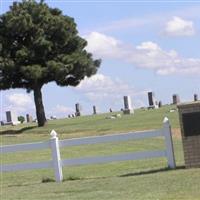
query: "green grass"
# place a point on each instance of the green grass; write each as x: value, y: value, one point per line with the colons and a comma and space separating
x: 139, y: 180
x: 91, y: 125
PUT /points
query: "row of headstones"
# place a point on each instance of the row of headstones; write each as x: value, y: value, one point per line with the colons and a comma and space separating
x: 175, y: 99
x: 128, y: 105
x: 127, y: 108
x: 12, y: 119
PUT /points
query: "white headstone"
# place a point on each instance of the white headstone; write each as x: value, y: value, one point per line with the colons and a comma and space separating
x: 11, y: 117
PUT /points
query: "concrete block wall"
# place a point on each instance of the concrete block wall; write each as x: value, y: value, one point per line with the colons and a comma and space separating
x: 191, y: 144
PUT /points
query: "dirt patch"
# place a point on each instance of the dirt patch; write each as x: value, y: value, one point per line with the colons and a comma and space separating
x: 176, y: 132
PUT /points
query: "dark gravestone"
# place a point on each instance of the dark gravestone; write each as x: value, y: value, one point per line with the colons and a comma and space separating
x: 127, y: 105
x: 94, y: 110
x: 160, y: 104
x: 151, y: 98
x: 195, y: 97
x: 77, y: 107
x: 176, y: 99
x: 191, y: 124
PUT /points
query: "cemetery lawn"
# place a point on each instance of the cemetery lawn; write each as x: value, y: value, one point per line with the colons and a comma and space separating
x: 134, y: 180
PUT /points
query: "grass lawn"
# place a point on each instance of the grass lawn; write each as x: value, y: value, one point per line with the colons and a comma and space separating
x: 145, y: 179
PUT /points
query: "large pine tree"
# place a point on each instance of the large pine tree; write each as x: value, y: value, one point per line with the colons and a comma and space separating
x: 38, y: 45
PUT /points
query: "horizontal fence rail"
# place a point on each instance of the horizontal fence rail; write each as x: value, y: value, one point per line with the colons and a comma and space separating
x: 110, y: 138
x: 24, y: 147
x: 119, y: 157
x: 57, y: 163
x: 26, y: 166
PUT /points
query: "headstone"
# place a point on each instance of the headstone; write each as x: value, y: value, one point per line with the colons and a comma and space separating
x: 176, y: 99
x: 160, y: 104
x: 195, y: 97
x: 189, y: 116
x: 152, y: 101
x: 8, y: 116
x: 127, y: 105
x: 151, y: 98
x: 53, y: 117
x: 77, y: 107
x: 11, y: 118
x: 94, y: 110
x: 29, y: 118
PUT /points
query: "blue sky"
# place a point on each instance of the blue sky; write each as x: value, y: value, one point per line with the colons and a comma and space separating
x: 144, y: 46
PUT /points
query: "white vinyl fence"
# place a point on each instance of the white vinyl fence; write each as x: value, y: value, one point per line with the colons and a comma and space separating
x: 54, y: 144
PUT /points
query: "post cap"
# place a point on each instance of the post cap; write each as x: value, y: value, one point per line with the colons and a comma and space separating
x: 165, y: 120
x: 53, y: 134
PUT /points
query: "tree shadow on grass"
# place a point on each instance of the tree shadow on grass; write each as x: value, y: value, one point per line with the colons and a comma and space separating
x: 152, y: 171
x: 16, y: 132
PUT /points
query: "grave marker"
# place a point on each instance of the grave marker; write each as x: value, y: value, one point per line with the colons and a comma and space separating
x: 160, y: 104
x: 152, y: 100
x: 127, y: 105
x: 94, y: 110
x: 195, y: 97
x: 11, y: 118
x: 29, y: 118
x: 77, y: 107
x: 176, y: 99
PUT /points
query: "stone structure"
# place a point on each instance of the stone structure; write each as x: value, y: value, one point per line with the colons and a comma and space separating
x: 94, y: 110
x: 11, y: 118
x: 78, y: 109
x: 127, y: 105
x: 160, y: 104
x: 189, y: 116
x: 176, y: 99
x: 29, y: 118
x: 152, y: 100
x: 195, y: 97
x: 8, y: 116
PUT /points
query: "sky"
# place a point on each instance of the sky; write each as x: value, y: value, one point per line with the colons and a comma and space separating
x: 144, y: 46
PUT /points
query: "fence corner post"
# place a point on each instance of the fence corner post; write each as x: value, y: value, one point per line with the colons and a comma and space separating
x: 169, y: 143
x: 55, y: 152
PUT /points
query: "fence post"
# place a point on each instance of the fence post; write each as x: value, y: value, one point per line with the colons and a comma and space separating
x: 169, y: 143
x: 55, y: 152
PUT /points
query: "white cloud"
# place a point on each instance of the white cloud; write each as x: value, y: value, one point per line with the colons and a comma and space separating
x: 155, y: 19
x: 60, y: 111
x: 63, y: 109
x: 148, y: 46
x: 179, y: 27
x: 101, y: 89
x: 19, y: 99
x: 19, y: 102
x: 147, y: 55
x: 100, y: 44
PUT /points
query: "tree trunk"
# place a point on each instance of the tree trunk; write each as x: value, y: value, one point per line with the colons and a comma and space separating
x: 39, y: 106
